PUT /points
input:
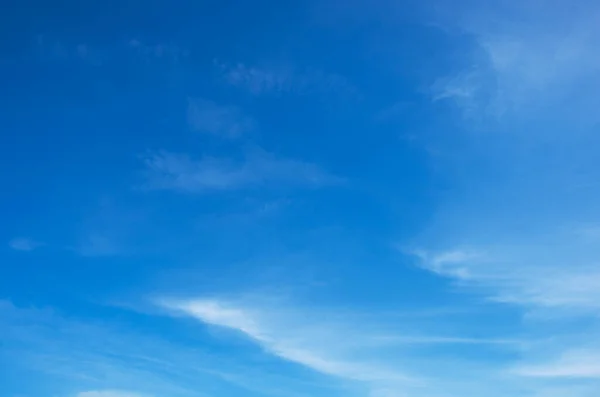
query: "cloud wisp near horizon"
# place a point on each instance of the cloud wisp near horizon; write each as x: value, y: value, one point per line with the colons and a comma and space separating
x: 370, y: 199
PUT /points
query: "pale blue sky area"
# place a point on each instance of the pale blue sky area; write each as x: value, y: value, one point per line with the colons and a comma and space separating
x: 318, y: 198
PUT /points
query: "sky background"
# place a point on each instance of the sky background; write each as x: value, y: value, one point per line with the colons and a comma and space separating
x: 315, y: 198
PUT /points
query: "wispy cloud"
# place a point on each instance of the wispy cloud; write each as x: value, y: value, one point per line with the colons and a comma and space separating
x: 374, y: 354
x: 308, y: 345
x: 24, y: 244
x: 581, y: 363
x: 526, y: 57
x: 441, y: 340
x: 552, y: 283
x: 448, y: 263
x: 511, y: 275
x: 507, y: 233
x: 110, y: 393
x: 284, y: 79
x: 468, y: 90
x: 206, y: 116
x: 170, y: 171
x: 97, y: 359
x: 66, y: 350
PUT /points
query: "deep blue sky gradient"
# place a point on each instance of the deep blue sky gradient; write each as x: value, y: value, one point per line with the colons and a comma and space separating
x: 323, y: 198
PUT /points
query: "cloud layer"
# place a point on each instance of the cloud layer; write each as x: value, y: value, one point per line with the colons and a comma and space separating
x: 529, y: 58
x: 291, y: 345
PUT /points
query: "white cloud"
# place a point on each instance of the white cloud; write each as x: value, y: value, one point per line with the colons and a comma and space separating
x: 441, y: 340
x: 467, y: 90
x: 255, y: 326
x: 535, y: 55
x: 225, y: 121
x: 369, y: 353
x: 555, y: 284
x: 448, y: 263
x: 301, y: 339
x: 582, y: 363
x: 24, y: 244
x: 181, y: 173
x: 519, y: 201
x: 526, y: 276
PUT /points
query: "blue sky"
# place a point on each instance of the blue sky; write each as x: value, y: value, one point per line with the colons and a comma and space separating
x: 324, y: 198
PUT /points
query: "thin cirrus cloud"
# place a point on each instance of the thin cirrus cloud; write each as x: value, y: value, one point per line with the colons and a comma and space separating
x: 367, y: 354
x: 126, y: 364
x: 24, y: 244
x: 208, y: 117
x: 178, y: 172
x: 111, y: 393
x: 284, y: 79
x: 525, y: 57
x: 91, y: 246
x: 513, y: 235
x: 311, y: 346
x: 553, y: 286
x: 44, y: 340
x: 525, y: 276
x: 575, y: 363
